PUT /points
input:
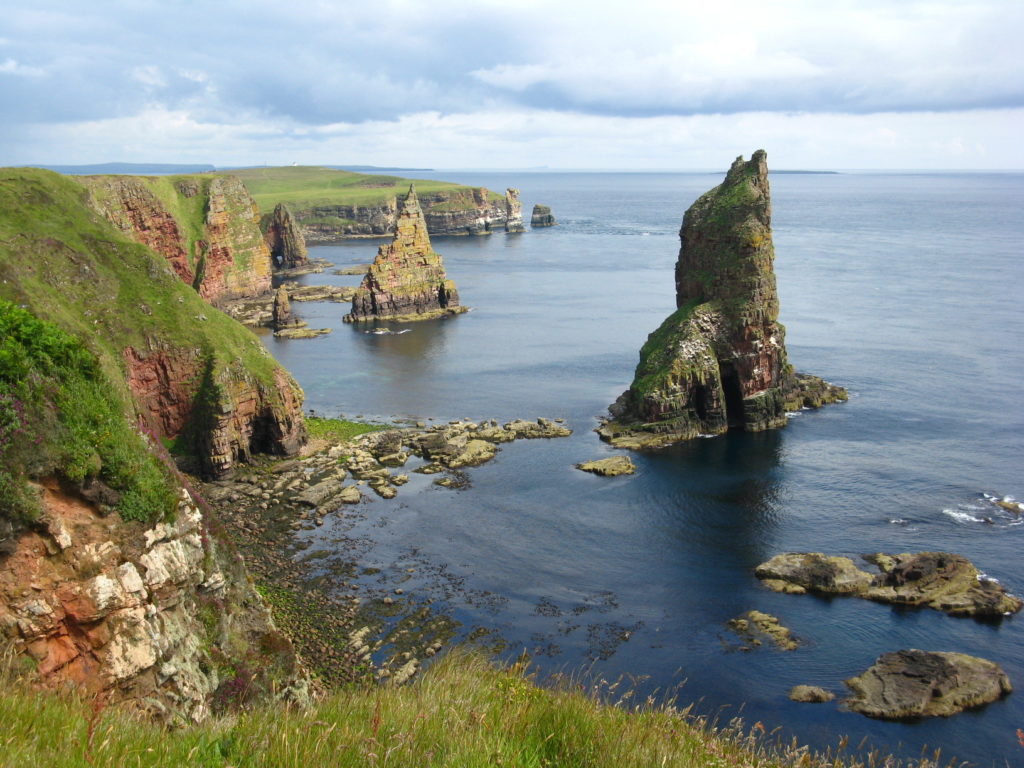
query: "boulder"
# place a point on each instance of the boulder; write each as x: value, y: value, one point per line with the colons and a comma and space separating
x: 815, y: 572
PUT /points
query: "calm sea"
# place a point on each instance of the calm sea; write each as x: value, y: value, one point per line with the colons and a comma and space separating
x: 905, y: 288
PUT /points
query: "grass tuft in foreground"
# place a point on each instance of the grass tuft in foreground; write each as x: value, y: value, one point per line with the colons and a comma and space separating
x: 463, y: 712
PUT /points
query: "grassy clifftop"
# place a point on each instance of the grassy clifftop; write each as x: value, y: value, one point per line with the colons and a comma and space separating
x: 463, y: 712
x: 308, y: 187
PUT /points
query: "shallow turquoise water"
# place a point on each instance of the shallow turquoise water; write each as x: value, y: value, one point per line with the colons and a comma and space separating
x: 904, y: 288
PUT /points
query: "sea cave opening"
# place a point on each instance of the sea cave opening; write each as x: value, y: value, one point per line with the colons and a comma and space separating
x: 733, y: 395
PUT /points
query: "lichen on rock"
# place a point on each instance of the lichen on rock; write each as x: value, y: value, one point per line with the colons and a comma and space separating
x: 407, y: 280
x: 719, y: 361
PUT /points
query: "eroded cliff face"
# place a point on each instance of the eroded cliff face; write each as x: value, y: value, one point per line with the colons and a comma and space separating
x: 719, y: 361
x: 224, y: 412
x: 469, y: 211
x: 163, y: 619
x: 407, y: 280
x: 206, y: 227
x: 284, y: 238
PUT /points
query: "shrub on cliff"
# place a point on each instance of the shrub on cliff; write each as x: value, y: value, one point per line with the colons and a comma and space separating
x: 59, y: 415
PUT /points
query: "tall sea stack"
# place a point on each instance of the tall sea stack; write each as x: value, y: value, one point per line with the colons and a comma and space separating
x: 407, y: 280
x: 284, y: 239
x: 719, y: 361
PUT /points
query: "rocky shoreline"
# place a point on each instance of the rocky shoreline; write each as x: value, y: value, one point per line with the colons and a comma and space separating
x: 344, y: 630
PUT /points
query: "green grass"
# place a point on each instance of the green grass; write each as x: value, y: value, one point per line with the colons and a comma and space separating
x: 338, y: 430
x: 462, y: 712
x: 303, y: 188
x: 59, y: 414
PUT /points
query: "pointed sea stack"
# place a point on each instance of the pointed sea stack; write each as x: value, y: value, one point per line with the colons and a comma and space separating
x: 513, y: 211
x: 284, y: 239
x: 407, y: 280
x: 719, y: 361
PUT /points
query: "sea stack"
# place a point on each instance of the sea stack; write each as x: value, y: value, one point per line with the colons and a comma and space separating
x: 407, y: 280
x: 719, y: 361
x: 542, y: 217
x: 284, y: 239
x: 513, y: 211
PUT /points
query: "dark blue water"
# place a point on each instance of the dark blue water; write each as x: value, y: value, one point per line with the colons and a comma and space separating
x: 904, y: 288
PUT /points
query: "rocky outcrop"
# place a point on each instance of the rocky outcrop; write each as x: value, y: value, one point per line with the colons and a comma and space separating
x: 810, y: 694
x: 223, y: 412
x: 513, y: 211
x: 907, y: 685
x: 612, y: 466
x: 282, y: 311
x: 939, y: 580
x: 163, y: 619
x: 719, y: 361
x: 756, y: 627
x: 205, y: 227
x: 407, y: 280
x: 542, y: 216
x: 284, y: 239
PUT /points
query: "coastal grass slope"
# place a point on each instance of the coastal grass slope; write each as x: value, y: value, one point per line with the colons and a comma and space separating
x: 309, y: 187
x: 464, y: 711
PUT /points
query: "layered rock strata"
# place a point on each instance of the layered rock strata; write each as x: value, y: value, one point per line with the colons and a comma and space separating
x: 284, y: 239
x: 939, y: 580
x: 719, y: 361
x: 513, y: 211
x: 467, y: 211
x: 542, y: 216
x: 207, y: 228
x: 407, y: 280
x: 223, y: 412
x: 163, y: 619
x: 911, y: 684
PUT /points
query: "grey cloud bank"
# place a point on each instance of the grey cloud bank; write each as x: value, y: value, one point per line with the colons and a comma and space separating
x: 487, y: 83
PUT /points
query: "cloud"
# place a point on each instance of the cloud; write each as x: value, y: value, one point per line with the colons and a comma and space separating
x: 298, y: 71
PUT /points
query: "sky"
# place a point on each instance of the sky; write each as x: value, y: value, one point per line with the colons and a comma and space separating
x: 641, y: 84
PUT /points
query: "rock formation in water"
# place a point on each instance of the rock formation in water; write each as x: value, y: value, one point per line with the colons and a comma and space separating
x: 542, y: 216
x: 940, y: 580
x: 719, y: 361
x: 912, y: 684
x: 407, y: 280
x: 284, y: 239
x: 513, y: 211
x: 207, y: 227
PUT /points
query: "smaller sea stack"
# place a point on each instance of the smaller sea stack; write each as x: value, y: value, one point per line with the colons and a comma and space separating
x: 542, y: 216
x: 284, y: 239
x: 407, y: 280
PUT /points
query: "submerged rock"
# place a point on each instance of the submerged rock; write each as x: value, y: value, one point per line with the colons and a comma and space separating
x: 939, y: 580
x: 911, y: 684
x: 719, y: 361
x: 810, y: 694
x: 610, y: 467
x: 752, y: 626
x: 542, y: 216
x: 407, y: 280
